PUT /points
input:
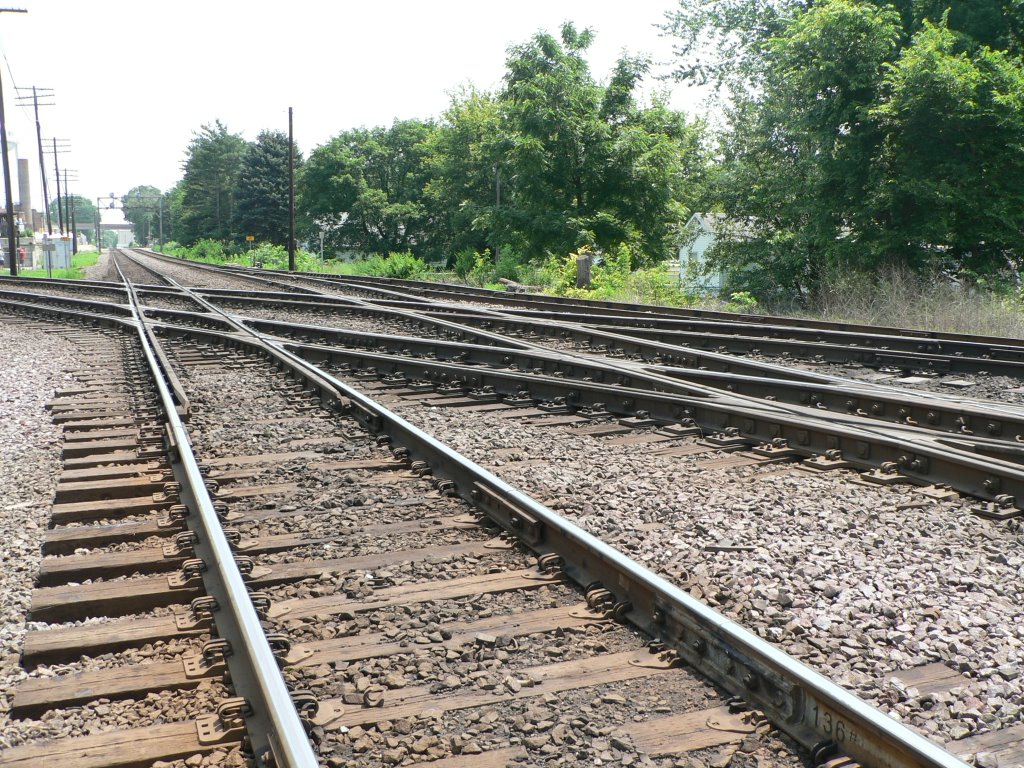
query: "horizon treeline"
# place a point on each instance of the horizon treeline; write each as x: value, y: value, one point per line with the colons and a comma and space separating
x: 854, y: 136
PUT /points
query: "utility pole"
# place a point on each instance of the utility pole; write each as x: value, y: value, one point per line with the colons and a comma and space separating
x: 12, y: 237
x: 67, y: 207
x: 291, y: 195
x: 56, y: 172
x: 497, y: 212
x: 46, y: 93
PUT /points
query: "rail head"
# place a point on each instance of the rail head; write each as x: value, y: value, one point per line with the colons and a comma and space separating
x: 277, y: 734
x: 812, y: 709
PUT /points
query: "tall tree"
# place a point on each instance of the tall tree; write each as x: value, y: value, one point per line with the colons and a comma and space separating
x: 212, y: 164
x: 173, y: 212
x: 261, y: 191
x: 85, y: 214
x: 590, y: 167
x: 365, y: 188
x: 859, y: 133
x: 142, y: 208
x: 953, y: 155
x: 465, y: 163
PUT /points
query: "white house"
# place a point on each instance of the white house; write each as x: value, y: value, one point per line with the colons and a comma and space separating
x: 700, y: 233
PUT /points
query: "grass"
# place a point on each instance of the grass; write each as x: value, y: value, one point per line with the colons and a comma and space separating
x: 79, y: 262
x: 903, y: 299
x: 895, y: 297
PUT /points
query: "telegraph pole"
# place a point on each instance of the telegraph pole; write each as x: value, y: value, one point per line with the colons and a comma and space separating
x: 67, y: 207
x: 46, y: 93
x: 291, y: 195
x: 12, y: 237
x: 56, y: 172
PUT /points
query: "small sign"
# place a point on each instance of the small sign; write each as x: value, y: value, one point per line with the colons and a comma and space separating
x: 250, y: 238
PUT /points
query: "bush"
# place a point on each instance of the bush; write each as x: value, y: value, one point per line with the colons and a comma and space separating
x: 403, y: 266
x: 465, y: 262
x: 207, y: 250
x: 741, y: 301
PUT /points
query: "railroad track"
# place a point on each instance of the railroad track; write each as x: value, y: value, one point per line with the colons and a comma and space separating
x: 372, y: 675
x: 973, y: 449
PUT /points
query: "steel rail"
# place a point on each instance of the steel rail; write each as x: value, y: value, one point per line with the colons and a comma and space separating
x: 812, y: 709
x: 907, y: 354
x: 558, y: 303
x: 893, y: 452
x: 934, y: 414
x: 666, y: 358
x: 924, y: 459
x: 911, y: 350
x: 98, y: 285
x: 913, y: 409
x: 670, y: 354
x: 979, y: 467
x: 276, y: 732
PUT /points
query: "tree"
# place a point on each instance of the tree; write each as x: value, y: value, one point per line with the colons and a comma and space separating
x: 465, y: 164
x: 261, y: 191
x: 142, y: 207
x: 587, y: 165
x: 953, y: 155
x: 212, y: 164
x: 84, y: 212
x: 365, y: 187
x: 860, y: 134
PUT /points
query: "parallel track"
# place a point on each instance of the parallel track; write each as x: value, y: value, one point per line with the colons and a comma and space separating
x: 800, y: 702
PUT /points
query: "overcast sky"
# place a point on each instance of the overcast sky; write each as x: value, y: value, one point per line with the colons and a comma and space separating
x: 133, y: 79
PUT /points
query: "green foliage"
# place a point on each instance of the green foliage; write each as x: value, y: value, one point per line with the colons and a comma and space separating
x: 366, y: 188
x: 404, y: 266
x: 741, y: 301
x: 553, y: 162
x: 861, y: 134
x: 207, y: 250
x: 953, y: 155
x: 213, y: 163
x: 464, y: 155
x: 465, y: 262
x: 261, y: 191
x: 558, y: 274
x: 612, y: 279
x: 508, y: 265
x: 142, y: 208
x: 591, y: 167
x: 84, y: 211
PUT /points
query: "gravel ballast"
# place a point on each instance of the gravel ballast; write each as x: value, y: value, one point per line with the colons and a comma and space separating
x: 35, y: 363
x: 858, y: 581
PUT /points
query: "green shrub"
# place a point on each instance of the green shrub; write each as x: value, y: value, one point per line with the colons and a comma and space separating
x: 405, y: 266
x: 465, y: 262
x: 211, y: 251
x: 508, y: 266
x: 741, y: 301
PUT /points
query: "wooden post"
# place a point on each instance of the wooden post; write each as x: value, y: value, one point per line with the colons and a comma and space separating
x: 583, y: 270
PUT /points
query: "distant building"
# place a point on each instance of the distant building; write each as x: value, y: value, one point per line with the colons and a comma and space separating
x: 701, y: 232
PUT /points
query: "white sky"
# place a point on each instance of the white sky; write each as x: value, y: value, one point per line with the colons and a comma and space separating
x: 133, y: 79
